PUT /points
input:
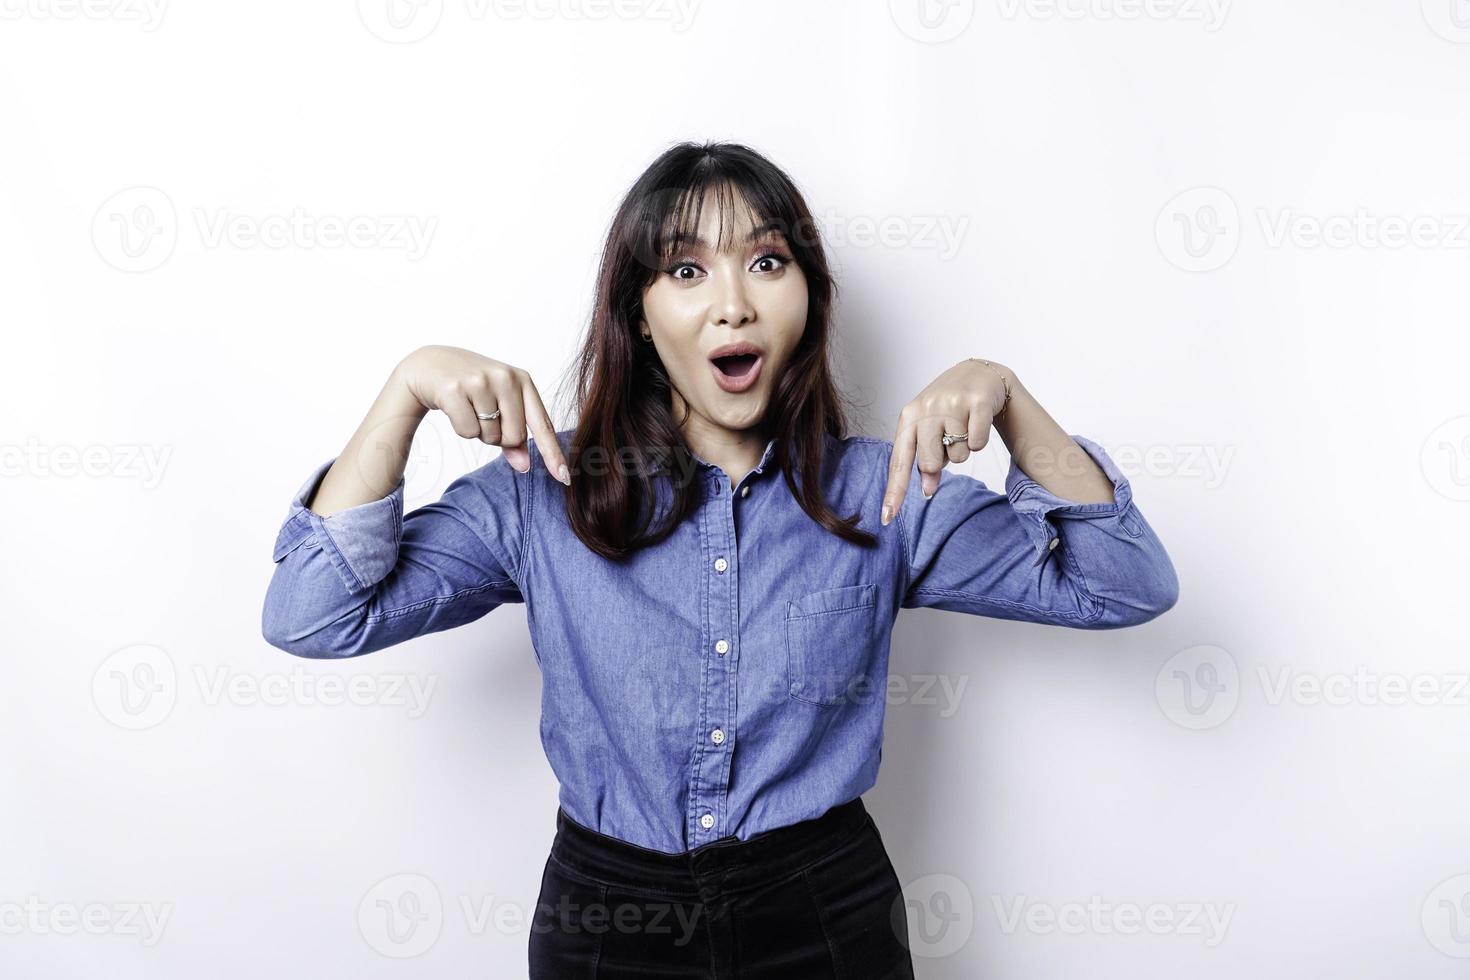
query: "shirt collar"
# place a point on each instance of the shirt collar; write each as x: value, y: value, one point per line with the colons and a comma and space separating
x: 766, y: 456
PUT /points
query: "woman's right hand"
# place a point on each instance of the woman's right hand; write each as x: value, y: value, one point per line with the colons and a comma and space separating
x: 461, y: 383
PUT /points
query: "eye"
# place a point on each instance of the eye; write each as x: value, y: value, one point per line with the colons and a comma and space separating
x: 773, y: 262
x: 678, y: 270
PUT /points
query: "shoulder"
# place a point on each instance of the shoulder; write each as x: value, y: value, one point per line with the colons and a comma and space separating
x: 538, y: 465
x: 867, y: 443
x: 563, y: 438
x: 860, y: 451
x: 857, y: 468
x: 500, y: 477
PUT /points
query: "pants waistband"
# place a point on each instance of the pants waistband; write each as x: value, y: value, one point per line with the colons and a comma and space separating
x: 734, y: 863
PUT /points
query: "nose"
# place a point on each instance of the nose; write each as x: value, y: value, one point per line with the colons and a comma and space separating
x: 732, y: 305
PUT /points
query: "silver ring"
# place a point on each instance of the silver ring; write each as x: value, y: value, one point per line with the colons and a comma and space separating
x: 952, y: 438
x: 488, y: 418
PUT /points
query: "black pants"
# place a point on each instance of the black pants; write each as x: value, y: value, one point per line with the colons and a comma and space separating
x: 816, y: 899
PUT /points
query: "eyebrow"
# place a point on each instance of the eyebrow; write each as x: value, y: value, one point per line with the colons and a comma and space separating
x: 761, y: 231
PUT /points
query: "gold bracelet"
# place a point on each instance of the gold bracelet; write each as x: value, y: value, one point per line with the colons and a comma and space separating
x: 1004, y: 383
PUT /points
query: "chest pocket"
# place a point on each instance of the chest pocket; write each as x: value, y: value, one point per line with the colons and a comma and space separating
x: 829, y: 642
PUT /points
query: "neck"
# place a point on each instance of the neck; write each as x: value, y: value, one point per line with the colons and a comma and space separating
x: 736, y: 451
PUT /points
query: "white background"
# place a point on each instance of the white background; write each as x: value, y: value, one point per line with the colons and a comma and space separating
x: 1175, y: 221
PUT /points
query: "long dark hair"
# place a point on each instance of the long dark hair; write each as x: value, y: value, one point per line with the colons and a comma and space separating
x: 622, y: 389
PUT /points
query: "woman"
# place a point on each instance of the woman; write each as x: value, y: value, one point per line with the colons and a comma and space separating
x: 712, y: 569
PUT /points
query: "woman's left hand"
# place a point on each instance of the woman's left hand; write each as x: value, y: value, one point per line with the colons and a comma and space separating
x: 963, y: 400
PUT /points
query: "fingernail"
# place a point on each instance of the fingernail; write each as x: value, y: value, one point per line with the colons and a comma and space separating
x: 563, y: 475
x: 887, y: 514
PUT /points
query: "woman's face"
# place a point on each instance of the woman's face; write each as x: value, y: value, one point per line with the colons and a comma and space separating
x: 751, y: 294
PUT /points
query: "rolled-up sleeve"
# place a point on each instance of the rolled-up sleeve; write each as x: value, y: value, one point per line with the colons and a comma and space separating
x: 368, y: 576
x: 1030, y: 555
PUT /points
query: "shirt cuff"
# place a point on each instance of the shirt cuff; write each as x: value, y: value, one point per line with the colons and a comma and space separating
x: 1034, y: 504
x: 361, y: 541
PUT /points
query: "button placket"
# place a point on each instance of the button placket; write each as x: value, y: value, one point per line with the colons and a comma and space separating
x: 711, y: 764
x: 1051, y: 544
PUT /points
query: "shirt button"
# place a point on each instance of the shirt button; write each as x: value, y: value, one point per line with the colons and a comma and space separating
x: 707, y: 821
x: 722, y: 647
x: 721, y: 564
x: 717, y: 736
x: 745, y: 491
x: 1052, y: 545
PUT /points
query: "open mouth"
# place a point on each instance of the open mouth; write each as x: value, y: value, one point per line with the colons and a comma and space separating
x: 736, y: 372
x: 736, y: 365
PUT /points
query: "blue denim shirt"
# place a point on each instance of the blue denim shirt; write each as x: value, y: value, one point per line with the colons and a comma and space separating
x: 731, y: 679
